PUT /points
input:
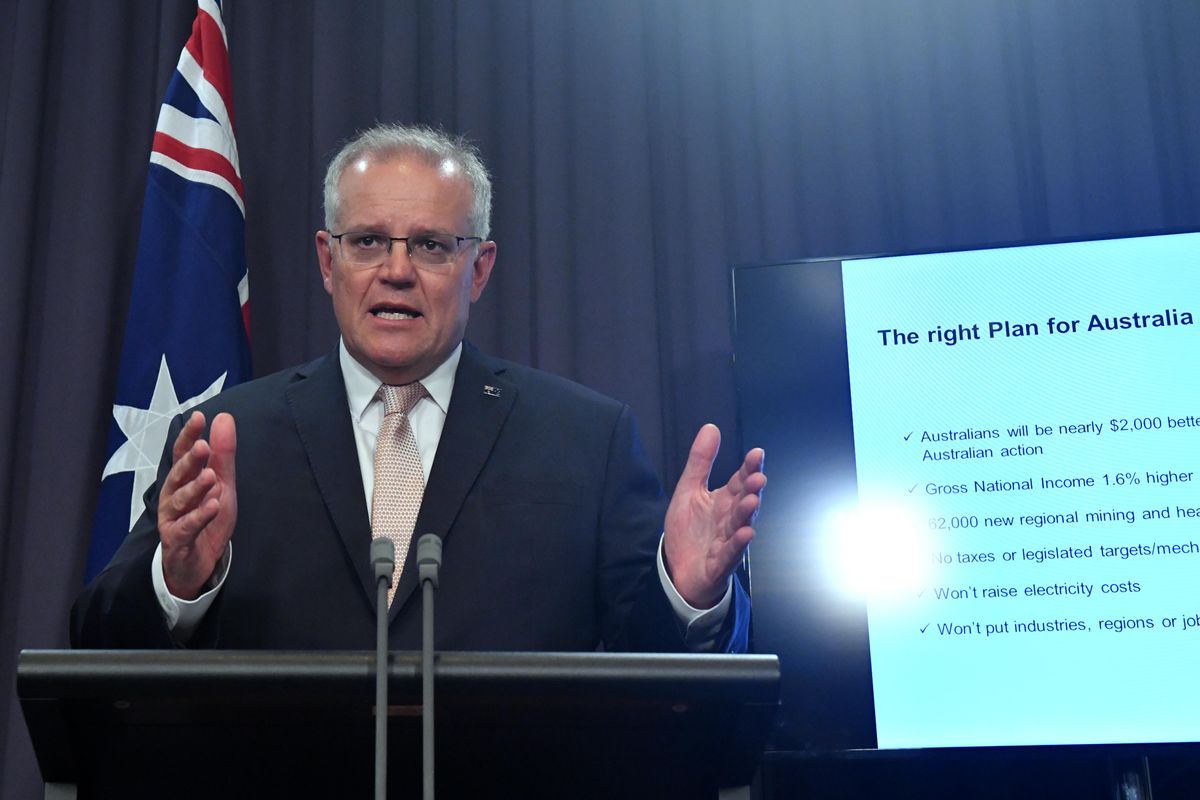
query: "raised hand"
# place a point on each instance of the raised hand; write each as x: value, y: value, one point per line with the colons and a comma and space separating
x: 706, y: 532
x: 197, y: 506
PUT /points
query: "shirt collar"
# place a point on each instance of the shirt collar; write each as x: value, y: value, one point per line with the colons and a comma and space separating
x: 361, y: 385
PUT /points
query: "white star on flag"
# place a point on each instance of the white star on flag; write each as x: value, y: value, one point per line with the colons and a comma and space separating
x: 145, y: 432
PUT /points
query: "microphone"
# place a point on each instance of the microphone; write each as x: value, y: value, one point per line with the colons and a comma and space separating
x: 429, y: 561
x: 383, y: 561
x: 429, y: 558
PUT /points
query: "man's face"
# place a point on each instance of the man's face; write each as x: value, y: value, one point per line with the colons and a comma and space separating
x: 397, y: 320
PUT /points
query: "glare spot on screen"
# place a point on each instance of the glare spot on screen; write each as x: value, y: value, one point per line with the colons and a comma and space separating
x: 878, y: 552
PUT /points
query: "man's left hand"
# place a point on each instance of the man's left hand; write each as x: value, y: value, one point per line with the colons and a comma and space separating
x: 706, y: 532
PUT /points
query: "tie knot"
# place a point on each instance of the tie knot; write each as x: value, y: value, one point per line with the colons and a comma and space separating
x: 401, y: 398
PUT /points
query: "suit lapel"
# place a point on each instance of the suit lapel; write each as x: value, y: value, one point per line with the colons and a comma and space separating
x: 318, y: 404
x: 479, y: 405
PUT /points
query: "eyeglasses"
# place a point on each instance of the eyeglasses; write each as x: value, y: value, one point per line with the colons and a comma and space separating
x: 433, y: 251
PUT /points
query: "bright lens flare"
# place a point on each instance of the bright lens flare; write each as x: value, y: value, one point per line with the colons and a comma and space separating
x: 879, y: 552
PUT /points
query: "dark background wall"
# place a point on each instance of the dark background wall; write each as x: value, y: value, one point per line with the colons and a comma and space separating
x: 640, y: 147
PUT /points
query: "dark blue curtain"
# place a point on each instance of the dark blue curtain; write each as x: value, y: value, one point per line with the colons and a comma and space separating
x: 640, y: 148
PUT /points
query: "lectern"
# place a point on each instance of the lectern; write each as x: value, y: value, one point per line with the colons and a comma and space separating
x: 183, y: 724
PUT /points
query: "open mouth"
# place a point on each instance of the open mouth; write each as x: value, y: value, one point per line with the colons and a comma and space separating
x: 394, y: 313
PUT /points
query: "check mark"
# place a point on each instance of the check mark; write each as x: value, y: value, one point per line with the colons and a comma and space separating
x: 907, y: 435
x: 914, y: 486
x: 926, y: 626
x: 921, y: 593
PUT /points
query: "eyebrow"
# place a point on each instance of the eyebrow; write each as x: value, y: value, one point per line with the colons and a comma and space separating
x: 382, y: 230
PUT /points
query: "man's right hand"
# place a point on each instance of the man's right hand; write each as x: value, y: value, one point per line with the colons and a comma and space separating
x: 197, y: 506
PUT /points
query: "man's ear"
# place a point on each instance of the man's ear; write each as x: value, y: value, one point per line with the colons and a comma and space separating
x: 324, y: 244
x: 481, y: 268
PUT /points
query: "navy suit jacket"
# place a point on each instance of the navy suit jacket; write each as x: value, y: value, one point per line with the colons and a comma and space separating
x: 548, y: 509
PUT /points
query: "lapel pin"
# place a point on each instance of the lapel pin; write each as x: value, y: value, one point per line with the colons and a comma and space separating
x: 491, y: 391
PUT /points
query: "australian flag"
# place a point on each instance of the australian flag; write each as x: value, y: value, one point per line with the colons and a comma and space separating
x: 186, y: 336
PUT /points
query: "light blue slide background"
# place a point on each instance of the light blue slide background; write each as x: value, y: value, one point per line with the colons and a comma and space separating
x: 1093, y: 686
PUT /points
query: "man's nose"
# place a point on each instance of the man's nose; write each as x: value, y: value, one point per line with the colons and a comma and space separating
x: 398, y: 265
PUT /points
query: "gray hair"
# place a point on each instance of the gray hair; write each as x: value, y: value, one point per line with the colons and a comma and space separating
x: 431, y: 146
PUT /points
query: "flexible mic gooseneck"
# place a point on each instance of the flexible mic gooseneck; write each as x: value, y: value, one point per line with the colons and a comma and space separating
x: 429, y: 561
x: 383, y: 562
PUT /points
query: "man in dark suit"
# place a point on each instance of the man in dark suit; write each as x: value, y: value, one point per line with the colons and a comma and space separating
x: 556, y: 535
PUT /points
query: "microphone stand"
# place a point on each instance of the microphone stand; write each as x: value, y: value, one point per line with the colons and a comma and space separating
x: 429, y: 560
x: 383, y: 560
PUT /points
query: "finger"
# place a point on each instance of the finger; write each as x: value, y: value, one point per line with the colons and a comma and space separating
x: 739, y: 526
x: 187, y: 467
x: 188, y: 527
x: 733, y: 550
x: 188, y: 435
x: 752, y: 465
x: 223, y: 440
x: 189, y: 496
x: 746, y: 510
x: 740, y: 540
x: 737, y: 482
x: 701, y: 457
x: 754, y: 484
x: 741, y: 515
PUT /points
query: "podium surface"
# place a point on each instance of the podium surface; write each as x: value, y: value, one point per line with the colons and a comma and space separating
x: 258, y: 723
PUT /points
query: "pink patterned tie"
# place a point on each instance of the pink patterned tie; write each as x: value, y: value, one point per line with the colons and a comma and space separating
x: 399, y: 479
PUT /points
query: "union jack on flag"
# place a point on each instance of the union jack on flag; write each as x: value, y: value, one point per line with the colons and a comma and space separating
x: 186, y: 335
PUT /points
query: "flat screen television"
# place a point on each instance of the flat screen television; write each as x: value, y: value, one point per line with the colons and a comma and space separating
x: 982, y: 521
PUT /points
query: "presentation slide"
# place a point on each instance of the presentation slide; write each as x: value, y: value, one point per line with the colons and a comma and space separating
x: 1026, y: 428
